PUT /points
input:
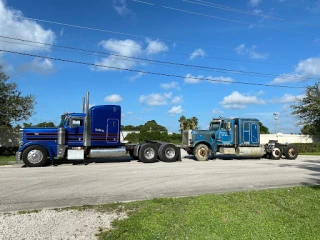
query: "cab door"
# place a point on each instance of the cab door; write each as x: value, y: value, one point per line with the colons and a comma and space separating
x: 246, y: 132
x: 113, y: 130
x: 74, y: 132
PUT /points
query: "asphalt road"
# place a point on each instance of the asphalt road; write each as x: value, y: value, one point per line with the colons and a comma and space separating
x: 124, y: 180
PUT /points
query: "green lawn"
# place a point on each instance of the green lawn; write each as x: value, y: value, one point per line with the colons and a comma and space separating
x: 289, y: 213
x: 4, y: 160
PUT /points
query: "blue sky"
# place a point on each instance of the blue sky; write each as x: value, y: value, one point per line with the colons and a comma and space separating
x: 138, y: 30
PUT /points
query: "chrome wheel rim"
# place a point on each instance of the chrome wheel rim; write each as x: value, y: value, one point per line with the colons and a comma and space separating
x: 292, y: 152
x: 35, y: 156
x: 170, y: 152
x: 202, y: 152
x: 276, y: 152
x: 149, y: 153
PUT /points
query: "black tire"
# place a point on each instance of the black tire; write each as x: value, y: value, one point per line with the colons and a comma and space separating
x: 148, y: 153
x: 201, y: 152
x: 132, y: 156
x: 168, y: 152
x: 291, y: 152
x: 35, y: 156
x: 276, y: 153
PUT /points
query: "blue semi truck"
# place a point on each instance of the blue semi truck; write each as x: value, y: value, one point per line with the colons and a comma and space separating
x: 234, y: 136
x: 94, y: 133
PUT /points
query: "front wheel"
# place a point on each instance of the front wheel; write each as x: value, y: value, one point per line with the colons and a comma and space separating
x: 35, y: 156
x: 202, y: 152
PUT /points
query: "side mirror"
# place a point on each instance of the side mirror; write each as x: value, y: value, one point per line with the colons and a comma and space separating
x: 228, y: 126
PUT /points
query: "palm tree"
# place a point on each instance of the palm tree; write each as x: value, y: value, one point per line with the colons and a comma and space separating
x: 194, y: 121
x: 182, y: 122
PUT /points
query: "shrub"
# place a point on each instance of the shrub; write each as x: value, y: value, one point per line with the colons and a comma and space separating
x: 8, y: 151
x: 308, y: 147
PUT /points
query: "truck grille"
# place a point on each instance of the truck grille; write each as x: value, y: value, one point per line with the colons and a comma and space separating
x: 186, y: 137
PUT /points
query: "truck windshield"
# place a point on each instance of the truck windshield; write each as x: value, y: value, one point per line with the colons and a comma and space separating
x: 214, y: 126
x: 63, y: 120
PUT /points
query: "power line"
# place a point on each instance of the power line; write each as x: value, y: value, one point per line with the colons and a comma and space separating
x: 221, y: 18
x: 171, y: 52
x: 226, y: 8
x: 114, y: 32
x: 197, y: 67
x: 147, y: 72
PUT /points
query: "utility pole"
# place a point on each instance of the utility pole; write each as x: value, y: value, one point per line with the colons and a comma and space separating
x: 275, y: 114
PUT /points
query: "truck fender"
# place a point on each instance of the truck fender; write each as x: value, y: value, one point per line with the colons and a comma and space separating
x: 202, y: 142
x: 50, y: 153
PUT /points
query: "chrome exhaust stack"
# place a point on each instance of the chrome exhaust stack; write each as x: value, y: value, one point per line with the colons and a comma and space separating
x: 87, y: 124
x: 83, y: 104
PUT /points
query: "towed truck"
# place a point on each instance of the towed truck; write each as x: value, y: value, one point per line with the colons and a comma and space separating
x: 234, y: 136
x: 94, y: 133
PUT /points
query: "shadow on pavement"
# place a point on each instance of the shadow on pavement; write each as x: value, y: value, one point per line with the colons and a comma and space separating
x: 313, y: 166
x: 57, y: 162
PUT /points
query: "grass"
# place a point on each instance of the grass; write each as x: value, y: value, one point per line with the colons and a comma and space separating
x: 289, y: 213
x: 5, y: 160
x: 310, y: 153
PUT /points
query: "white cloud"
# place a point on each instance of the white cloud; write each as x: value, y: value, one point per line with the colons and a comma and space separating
x: 167, y: 86
x: 313, y: 6
x: 261, y: 92
x: 287, y: 98
x: 177, y: 99
x: 15, y: 27
x: 175, y: 110
x: 155, y: 46
x: 123, y: 115
x: 113, y: 98
x: 238, y: 101
x: 197, y: 53
x: 309, y: 67
x: 168, y: 95
x: 192, y: 79
x: 242, y: 49
x: 221, y: 79
x: 155, y: 99
x: 305, y: 69
x: 217, y: 111
x: 38, y: 65
x: 254, y: 3
x: 127, y: 48
x: 257, y: 11
x: 121, y: 7
x: 136, y: 76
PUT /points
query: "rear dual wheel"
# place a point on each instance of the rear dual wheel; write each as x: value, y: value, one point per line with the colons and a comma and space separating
x: 291, y: 152
x: 276, y: 153
x: 168, y: 152
x: 148, y: 153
